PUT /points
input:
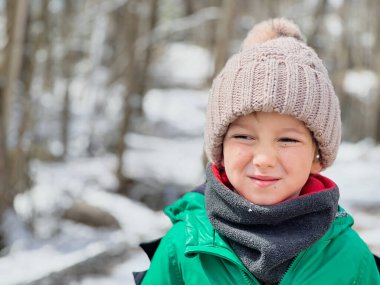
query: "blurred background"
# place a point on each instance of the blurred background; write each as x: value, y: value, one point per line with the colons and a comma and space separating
x: 101, y: 120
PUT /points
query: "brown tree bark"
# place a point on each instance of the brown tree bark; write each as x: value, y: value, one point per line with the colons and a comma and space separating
x: 17, y: 12
x: 374, y: 6
x: 317, y: 23
x: 68, y: 63
x: 131, y: 33
x: 46, y: 44
x: 224, y: 34
x: 145, y: 56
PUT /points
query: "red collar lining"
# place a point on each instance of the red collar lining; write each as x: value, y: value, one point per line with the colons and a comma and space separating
x: 315, y: 183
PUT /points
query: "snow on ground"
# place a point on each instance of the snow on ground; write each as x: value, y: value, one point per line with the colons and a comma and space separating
x: 181, y: 109
x: 356, y: 171
x: 74, y: 244
x: 165, y: 160
x: 183, y: 64
x: 63, y: 243
x: 360, y: 83
x: 121, y: 274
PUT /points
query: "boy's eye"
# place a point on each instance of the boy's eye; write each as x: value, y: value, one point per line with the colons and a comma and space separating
x: 288, y: 140
x: 243, y: 137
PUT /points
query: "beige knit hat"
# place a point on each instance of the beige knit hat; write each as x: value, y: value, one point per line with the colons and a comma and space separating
x: 275, y: 71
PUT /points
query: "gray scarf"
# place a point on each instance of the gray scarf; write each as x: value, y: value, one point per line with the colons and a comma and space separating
x: 267, y: 238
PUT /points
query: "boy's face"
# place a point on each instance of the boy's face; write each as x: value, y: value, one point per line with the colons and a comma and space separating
x: 268, y: 157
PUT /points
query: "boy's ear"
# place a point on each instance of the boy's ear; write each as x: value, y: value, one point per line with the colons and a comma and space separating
x: 222, y: 162
x: 316, y: 167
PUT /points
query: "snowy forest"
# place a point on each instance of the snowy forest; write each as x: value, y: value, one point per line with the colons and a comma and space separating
x: 102, y: 108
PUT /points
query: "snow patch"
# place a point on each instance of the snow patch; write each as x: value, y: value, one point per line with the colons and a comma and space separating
x: 180, y: 108
x: 183, y: 64
x: 360, y: 83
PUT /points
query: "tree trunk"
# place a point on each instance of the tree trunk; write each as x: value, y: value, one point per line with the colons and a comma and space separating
x: 375, y: 6
x: 46, y: 44
x: 16, y: 25
x: 189, y: 7
x: 65, y: 119
x: 20, y: 178
x: 146, y: 56
x: 224, y: 34
x: 131, y: 30
x: 67, y: 67
x: 211, y: 27
x: 317, y: 24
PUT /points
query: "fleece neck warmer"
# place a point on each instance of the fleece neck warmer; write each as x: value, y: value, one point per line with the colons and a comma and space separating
x: 267, y: 238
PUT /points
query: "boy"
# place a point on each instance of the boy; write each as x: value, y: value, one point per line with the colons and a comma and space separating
x: 265, y: 215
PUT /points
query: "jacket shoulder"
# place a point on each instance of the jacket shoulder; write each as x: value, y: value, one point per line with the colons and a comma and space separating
x: 190, y: 203
x: 169, y: 253
x: 357, y: 258
x: 342, y: 258
x: 165, y: 267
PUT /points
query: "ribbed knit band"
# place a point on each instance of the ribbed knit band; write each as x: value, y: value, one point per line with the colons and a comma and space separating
x: 281, y: 75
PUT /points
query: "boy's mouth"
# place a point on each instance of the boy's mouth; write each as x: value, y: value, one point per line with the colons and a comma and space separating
x: 264, y: 181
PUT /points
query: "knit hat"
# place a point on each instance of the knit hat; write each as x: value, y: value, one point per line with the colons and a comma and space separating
x: 275, y: 71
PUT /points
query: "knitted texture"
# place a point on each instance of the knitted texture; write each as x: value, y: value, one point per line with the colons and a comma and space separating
x: 279, y: 73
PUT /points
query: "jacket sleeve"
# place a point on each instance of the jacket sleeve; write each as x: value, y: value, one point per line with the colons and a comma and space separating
x: 368, y: 272
x: 165, y: 268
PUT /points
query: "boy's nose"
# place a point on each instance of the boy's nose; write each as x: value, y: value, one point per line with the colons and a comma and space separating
x: 264, y: 158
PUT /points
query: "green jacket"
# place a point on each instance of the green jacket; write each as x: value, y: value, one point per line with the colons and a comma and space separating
x: 193, y: 252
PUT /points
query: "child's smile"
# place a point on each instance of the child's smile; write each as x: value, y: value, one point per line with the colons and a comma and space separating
x: 264, y: 181
x: 268, y: 157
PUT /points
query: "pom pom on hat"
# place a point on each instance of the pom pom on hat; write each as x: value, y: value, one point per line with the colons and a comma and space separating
x: 272, y: 29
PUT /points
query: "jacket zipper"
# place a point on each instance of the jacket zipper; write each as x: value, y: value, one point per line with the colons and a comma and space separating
x: 295, y: 260
x: 246, y: 277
